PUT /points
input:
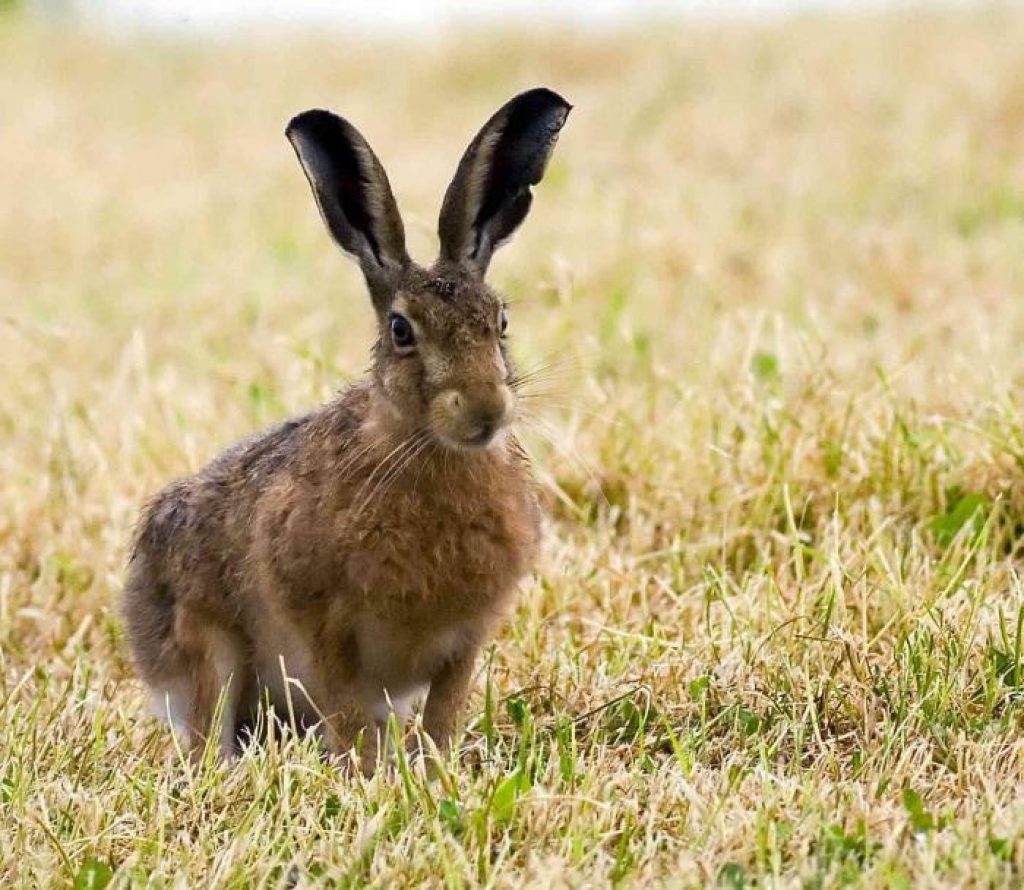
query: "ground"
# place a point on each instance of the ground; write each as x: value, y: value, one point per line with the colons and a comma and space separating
x: 776, y: 634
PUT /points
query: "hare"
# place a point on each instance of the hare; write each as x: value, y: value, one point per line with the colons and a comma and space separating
x: 348, y: 564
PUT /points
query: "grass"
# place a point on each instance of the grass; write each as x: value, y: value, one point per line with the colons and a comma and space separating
x: 776, y: 635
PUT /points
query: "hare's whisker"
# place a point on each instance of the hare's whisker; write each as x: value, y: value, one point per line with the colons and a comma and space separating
x: 588, y: 469
x: 400, y: 466
x: 393, y: 465
x: 382, y: 465
x: 527, y: 410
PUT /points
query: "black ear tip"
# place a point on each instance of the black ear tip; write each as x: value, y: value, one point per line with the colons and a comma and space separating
x: 542, y: 97
x: 316, y: 122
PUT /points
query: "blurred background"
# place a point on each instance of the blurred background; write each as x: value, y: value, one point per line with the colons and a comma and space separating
x: 214, y: 16
x: 753, y: 187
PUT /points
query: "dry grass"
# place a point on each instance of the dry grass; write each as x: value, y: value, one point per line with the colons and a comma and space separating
x: 776, y: 635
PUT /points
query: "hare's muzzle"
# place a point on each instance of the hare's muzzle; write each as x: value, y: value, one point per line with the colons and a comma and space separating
x: 471, y: 417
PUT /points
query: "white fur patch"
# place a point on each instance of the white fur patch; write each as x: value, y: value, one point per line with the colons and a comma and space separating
x: 402, y: 705
x: 170, y: 704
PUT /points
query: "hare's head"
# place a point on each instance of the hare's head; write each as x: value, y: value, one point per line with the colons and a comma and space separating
x: 441, y: 363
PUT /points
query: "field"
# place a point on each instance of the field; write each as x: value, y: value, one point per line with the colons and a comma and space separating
x: 776, y: 635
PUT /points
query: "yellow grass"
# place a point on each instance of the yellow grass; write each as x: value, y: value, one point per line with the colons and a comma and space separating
x: 775, y: 637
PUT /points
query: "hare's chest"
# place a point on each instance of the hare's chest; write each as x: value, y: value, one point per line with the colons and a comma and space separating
x: 451, y: 560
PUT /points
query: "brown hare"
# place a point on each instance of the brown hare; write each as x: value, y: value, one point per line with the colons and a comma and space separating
x: 350, y: 562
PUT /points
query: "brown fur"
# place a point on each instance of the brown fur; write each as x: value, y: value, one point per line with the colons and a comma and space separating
x: 369, y: 547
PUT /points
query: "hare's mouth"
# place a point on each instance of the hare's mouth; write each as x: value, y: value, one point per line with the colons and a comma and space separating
x: 487, y: 434
x: 481, y: 439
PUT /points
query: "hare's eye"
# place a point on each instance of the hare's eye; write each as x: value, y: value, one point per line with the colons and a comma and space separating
x: 402, y: 334
x: 502, y: 322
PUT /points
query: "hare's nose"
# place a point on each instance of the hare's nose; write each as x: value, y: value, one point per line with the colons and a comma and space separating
x: 486, y: 414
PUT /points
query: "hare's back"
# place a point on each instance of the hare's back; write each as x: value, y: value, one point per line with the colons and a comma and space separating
x: 202, y: 510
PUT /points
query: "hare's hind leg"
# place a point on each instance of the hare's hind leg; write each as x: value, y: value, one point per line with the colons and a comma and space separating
x: 216, y: 671
x: 202, y: 699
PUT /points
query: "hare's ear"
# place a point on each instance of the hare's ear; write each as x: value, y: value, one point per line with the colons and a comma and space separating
x: 352, y: 192
x: 490, y: 194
